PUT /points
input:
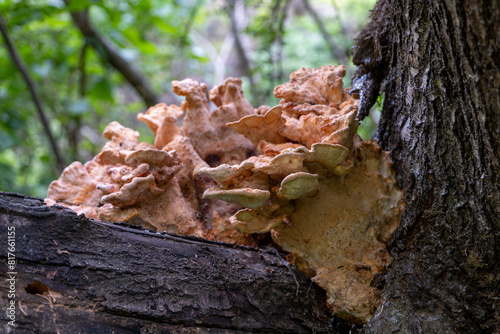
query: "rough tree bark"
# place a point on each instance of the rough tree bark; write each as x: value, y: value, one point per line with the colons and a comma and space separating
x: 441, y: 122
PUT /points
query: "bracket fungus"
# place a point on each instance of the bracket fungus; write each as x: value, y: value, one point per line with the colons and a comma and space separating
x: 157, y: 186
x: 331, y: 200
x: 297, y: 170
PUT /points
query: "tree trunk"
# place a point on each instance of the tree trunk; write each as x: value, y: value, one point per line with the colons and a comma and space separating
x: 74, y: 275
x: 441, y: 122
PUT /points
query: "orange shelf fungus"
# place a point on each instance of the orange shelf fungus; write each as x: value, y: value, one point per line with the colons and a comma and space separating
x: 297, y: 170
x: 330, y: 200
x: 157, y: 186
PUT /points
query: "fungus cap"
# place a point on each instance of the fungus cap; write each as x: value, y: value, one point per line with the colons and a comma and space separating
x: 299, y: 185
x: 246, y: 197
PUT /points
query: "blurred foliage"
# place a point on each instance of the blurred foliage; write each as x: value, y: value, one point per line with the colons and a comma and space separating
x: 167, y: 40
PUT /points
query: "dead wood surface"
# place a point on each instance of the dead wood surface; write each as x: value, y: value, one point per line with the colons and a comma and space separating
x: 75, y: 275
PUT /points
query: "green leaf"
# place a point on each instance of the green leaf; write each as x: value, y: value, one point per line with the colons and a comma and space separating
x: 166, y: 27
x: 134, y: 36
x: 78, y: 5
x: 45, y: 158
x: 102, y: 90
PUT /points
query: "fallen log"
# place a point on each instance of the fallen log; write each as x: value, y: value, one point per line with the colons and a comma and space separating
x: 75, y: 275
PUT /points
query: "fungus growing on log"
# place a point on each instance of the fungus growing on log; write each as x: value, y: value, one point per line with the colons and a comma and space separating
x: 297, y: 170
x: 157, y: 186
x: 328, y: 198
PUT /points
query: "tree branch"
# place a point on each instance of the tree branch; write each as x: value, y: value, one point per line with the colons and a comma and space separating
x: 218, y: 58
x: 240, y: 49
x: 282, y: 14
x: 189, y: 23
x: 82, y: 61
x: 336, y: 52
x: 129, y: 72
x: 18, y: 61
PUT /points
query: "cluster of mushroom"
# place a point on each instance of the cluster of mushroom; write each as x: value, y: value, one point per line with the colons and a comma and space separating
x: 299, y: 171
x: 157, y: 186
x: 328, y: 198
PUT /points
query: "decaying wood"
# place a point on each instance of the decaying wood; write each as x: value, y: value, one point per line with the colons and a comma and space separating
x: 441, y: 122
x: 75, y: 275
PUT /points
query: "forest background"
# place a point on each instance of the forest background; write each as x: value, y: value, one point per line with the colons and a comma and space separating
x: 82, y: 89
